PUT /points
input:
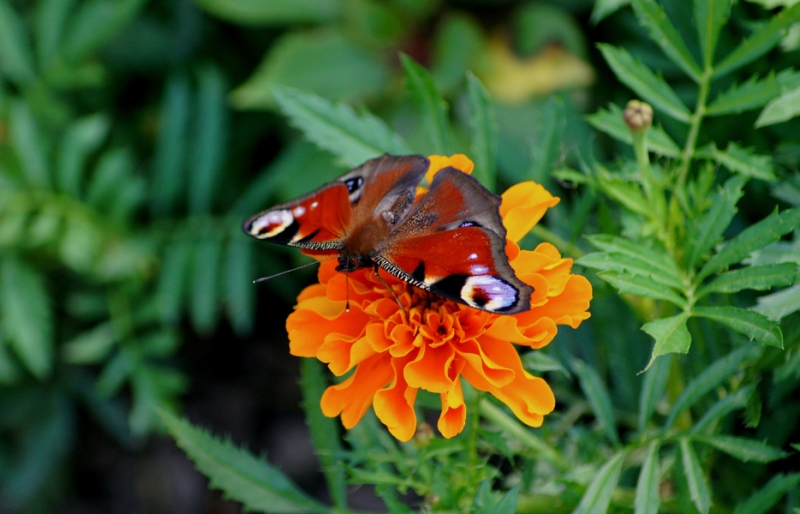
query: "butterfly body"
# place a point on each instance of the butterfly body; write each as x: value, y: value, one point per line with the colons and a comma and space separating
x: 450, y: 240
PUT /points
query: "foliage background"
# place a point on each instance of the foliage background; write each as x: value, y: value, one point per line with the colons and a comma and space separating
x: 135, y: 136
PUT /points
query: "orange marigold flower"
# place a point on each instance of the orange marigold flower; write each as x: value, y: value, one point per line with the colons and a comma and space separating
x: 435, y: 342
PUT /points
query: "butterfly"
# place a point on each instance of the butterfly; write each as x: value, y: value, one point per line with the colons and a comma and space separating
x: 449, y: 241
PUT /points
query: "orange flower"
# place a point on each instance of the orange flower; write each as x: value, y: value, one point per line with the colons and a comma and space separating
x: 435, y: 342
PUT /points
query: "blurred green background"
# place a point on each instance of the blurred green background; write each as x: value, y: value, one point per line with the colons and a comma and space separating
x: 135, y: 136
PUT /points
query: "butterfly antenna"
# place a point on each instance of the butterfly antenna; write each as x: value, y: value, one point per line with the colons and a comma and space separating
x: 389, y: 288
x: 264, y: 279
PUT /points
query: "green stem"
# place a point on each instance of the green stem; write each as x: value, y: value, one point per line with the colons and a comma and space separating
x: 474, y: 420
x: 696, y: 121
x: 523, y: 434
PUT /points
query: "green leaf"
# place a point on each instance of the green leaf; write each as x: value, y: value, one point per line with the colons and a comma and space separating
x: 332, y: 67
x: 722, y: 408
x: 781, y: 109
x: 612, y: 123
x: 657, y: 257
x: 210, y: 139
x: 706, y: 232
x: 540, y: 362
x: 16, y: 58
x: 740, y: 160
x: 655, y: 383
x: 171, y: 146
x: 742, y: 448
x: 620, y: 262
x: 433, y: 108
x: 598, y: 398
x: 760, y: 41
x: 604, y: 8
x: 647, y: 487
x: 750, y: 323
x: 698, y: 484
x: 26, y: 141
x: 598, y: 496
x: 338, y: 129
x: 324, y: 431
x: 82, y: 139
x: 644, y: 82
x: 671, y: 336
x: 173, y: 281
x: 710, y: 378
x: 241, y: 476
x: 751, y: 239
x: 90, y: 347
x: 752, y: 94
x: 765, y: 498
x: 710, y: 16
x: 274, y: 12
x: 484, y: 132
x: 97, y: 23
x: 759, y: 278
x: 641, y: 286
x: 239, y: 290
x: 27, y: 316
x: 106, y: 183
x: 779, y: 305
x: 51, y: 24
x: 204, y: 299
x: 625, y: 192
x: 661, y: 30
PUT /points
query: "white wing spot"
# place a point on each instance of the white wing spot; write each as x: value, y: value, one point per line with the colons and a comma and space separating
x: 314, y: 205
x: 488, y: 292
x: 271, y: 224
x: 298, y: 211
x: 472, y: 256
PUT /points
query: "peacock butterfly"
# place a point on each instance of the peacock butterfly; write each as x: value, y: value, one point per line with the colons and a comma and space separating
x: 450, y: 240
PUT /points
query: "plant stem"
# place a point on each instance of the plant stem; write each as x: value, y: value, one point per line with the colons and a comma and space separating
x: 694, y: 129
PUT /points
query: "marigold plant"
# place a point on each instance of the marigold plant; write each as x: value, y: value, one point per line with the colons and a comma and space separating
x: 432, y: 342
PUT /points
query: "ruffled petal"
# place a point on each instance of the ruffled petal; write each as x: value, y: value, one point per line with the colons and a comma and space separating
x: 394, y: 405
x: 523, y: 206
x: 353, y: 397
x: 454, y: 411
x: 439, y: 162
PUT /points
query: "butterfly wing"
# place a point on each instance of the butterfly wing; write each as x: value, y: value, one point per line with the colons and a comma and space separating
x: 453, y: 244
x: 322, y: 219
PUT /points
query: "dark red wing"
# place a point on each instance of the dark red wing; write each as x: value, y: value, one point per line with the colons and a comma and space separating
x: 453, y: 244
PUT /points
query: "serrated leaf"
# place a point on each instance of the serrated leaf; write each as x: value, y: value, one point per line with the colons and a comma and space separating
x: 671, y: 335
x: 26, y: 141
x: 604, y: 8
x: 338, y: 129
x: 274, y: 12
x: 433, y: 108
x: 751, y: 239
x: 571, y: 176
x: 508, y: 503
x: 210, y: 138
x: 91, y: 346
x: 96, y: 23
x: 655, y: 383
x: 710, y: 16
x: 750, y: 323
x: 759, y: 278
x: 612, y: 123
x: 752, y: 94
x: 598, y: 495
x: 661, y: 30
x: 239, y: 290
x: 625, y: 192
x: 711, y: 377
x: 242, y: 477
x: 695, y: 478
x: 657, y: 257
x: 598, y: 398
x: 760, y: 41
x: 647, y: 486
x: 82, y: 138
x: 765, y: 498
x: 641, y: 286
x: 171, y: 146
x: 621, y: 262
x: 484, y: 132
x: 27, y: 316
x: 722, y: 408
x: 740, y: 160
x: 16, y: 58
x: 779, y: 305
x: 742, y: 448
x: 705, y: 232
x: 644, y: 82
x: 781, y: 109
x: 204, y: 300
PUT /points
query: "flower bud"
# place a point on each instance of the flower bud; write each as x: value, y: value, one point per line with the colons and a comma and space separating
x: 638, y: 116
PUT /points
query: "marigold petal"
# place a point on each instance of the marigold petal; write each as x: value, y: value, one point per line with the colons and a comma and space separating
x: 523, y: 206
x: 430, y: 370
x: 394, y: 405
x: 353, y: 397
x: 476, y: 359
x: 311, y: 322
x: 454, y: 411
x: 571, y: 306
x: 529, y: 397
x: 439, y: 162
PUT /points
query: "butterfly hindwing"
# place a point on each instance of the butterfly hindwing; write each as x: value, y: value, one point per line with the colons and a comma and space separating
x: 453, y: 244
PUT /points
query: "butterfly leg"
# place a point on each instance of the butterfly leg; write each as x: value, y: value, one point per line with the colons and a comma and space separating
x: 375, y: 269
